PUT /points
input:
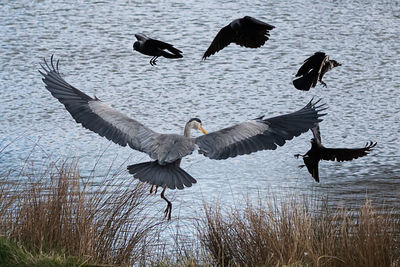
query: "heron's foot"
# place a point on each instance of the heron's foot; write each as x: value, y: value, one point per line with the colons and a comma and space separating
x: 301, y: 166
x: 168, y: 210
x: 323, y: 84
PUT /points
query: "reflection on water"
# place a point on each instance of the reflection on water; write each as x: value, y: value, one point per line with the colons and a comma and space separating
x: 94, y: 42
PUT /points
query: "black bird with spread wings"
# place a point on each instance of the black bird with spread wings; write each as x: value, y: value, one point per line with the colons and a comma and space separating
x: 319, y: 152
x: 247, y: 31
x: 167, y: 150
x: 155, y: 48
x: 312, y: 71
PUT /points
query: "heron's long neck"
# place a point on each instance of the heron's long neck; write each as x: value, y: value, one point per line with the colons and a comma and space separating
x: 186, y: 132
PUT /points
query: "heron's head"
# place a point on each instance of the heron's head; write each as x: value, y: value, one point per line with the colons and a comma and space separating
x: 335, y: 63
x: 136, y: 45
x: 195, y: 123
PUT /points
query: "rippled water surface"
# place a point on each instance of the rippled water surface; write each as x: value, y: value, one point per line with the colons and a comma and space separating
x: 94, y: 44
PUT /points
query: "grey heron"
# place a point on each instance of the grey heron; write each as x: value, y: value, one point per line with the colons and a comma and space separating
x: 155, y: 48
x: 167, y: 150
x: 247, y: 31
x: 319, y: 152
x: 312, y: 71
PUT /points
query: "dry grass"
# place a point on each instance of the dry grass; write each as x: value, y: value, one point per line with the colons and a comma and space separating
x: 291, y: 234
x: 57, y: 210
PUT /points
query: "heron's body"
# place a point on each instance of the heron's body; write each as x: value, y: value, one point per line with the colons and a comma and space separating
x: 155, y: 48
x: 312, y: 71
x: 167, y: 150
x: 319, y: 152
x: 247, y: 31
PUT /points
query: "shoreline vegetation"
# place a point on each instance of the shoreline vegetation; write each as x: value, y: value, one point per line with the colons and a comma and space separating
x: 55, y: 217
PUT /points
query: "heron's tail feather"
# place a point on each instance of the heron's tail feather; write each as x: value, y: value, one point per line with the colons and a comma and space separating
x: 168, y: 175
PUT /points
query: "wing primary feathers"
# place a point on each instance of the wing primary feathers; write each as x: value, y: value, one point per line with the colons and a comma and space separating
x: 260, y: 134
x: 106, y: 121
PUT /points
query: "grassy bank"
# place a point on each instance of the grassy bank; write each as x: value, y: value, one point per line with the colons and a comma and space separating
x: 56, y: 211
x: 54, y: 217
x: 292, y: 234
x: 14, y: 255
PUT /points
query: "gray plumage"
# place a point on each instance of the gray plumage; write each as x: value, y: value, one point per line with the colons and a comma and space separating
x: 247, y: 31
x: 167, y: 150
x: 259, y: 134
x: 155, y: 48
x: 169, y: 175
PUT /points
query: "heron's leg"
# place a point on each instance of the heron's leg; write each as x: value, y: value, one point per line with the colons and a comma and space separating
x: 301, y: 166
x: 168, y: 210
x: 323, y: 83
x: 155, y: 190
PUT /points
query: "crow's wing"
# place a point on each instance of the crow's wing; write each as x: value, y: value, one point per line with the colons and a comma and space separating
x: 224, y: 37
x: 313, y: 62
x: 346, y: 154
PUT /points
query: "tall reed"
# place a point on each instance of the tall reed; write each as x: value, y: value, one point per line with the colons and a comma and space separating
x: 290, y: 233
x: 106, y: 221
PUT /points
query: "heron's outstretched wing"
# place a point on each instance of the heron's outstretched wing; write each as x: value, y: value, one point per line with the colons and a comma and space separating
x: 346, y: 154
x: 313, y: 62
x: 259, y: 134
x: 223, y: 39
x: 97, y: 116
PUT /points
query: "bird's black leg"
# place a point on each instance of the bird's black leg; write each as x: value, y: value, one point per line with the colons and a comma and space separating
x: 168, y: 210
x: 323, y: 83
x: 155, y: 60
x: 151, y: 61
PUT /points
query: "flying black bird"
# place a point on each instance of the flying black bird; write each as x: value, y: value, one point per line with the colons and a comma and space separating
x: 155, y: 48
x: 319, y: 152
x: 247, y: 32
x: 167, y: 150
x: 313, y: 69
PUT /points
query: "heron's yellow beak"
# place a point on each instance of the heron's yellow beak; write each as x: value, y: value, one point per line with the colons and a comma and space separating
x: 202, y: 129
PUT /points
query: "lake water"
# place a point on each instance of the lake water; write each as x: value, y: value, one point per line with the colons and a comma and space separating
x: 94, y: 44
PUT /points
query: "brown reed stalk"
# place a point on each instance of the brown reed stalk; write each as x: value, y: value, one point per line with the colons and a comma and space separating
x: 291, y: 234
x: 56, y: 210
